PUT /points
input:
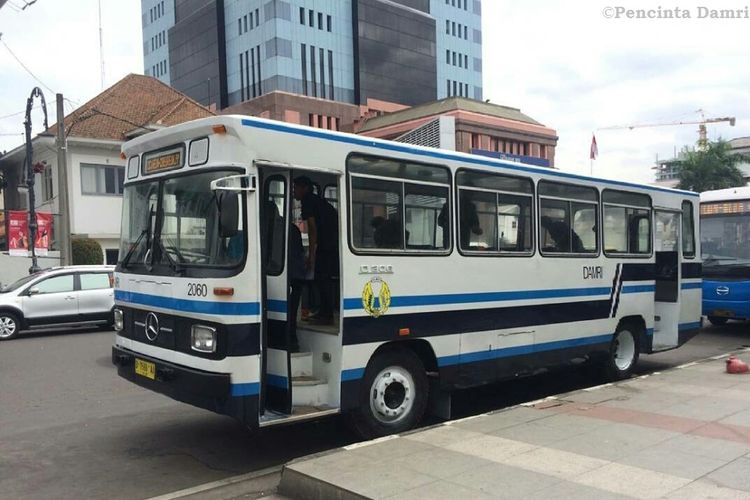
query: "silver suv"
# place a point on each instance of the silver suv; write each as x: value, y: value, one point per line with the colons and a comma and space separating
x: 59, y: 296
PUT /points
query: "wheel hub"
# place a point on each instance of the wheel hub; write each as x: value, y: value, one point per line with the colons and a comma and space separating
x: 624, y: 350
x: 392, y: 395
x: 7, y: 327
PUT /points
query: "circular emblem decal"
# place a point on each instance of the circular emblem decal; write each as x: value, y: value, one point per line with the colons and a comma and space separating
x: 152, y: 326
x: 376, y: 297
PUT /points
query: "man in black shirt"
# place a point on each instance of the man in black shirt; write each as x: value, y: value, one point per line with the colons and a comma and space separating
x: 323, y: 238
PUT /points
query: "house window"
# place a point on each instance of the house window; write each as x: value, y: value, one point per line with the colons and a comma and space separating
x: 101, y: 179
x: 47, y: 191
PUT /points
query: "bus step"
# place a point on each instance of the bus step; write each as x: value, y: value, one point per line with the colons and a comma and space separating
x: 309, y: 391
x: 302, y: 364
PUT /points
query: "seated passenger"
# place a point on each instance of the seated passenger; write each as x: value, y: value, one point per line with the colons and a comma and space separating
x: 387, y: 232
x: 562, y: 236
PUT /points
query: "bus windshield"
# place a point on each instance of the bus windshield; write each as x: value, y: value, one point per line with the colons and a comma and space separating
x: 725, y: 241
x: 173, y: 223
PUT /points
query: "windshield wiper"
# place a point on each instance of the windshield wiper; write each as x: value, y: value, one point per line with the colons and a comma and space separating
x: 712, y: 259
x: 177, y: 268
x: 144, y: 232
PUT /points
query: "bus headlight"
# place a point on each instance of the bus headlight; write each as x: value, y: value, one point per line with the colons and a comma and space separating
x: 118, y: 320
x: 203, y: 338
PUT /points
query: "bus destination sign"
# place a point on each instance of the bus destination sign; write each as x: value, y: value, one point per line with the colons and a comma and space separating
x: 725, y: 207
x: 165, y: 160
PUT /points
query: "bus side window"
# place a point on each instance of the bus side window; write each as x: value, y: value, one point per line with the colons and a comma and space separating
x: 568, y: 218
x: 494, y: 212
x: 425, y: 229
x: 627, y: 223
x: 688, y: 230
x: 376, y: 214
x: 397, y: 205
x: 274, y: 226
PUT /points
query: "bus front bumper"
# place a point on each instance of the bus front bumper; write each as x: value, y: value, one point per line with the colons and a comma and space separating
x: 730, y: 309
x: 210, y: 391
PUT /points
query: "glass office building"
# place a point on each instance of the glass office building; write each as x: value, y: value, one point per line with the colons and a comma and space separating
x: 224, y: 52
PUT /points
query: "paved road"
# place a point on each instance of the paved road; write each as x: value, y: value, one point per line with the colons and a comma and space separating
x: 69, y: 427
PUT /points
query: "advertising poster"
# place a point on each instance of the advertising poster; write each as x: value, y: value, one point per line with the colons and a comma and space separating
x: 43, y: 233
x: 18, y: 233
x: 3, y: 239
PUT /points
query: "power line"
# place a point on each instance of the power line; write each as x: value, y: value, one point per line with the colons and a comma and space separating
x: 24, y: 66
x: 12, y: 115
x: 27, y: 4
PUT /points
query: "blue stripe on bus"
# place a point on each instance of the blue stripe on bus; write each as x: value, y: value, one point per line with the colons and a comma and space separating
x: 187, y: 305
x: 689, y: 326
x: 276, y: 306
x: 277, y: 381
x: 507, y: 352
x: 692, y: 286
x: 246, y: 389
x: 352, y: 374
x: 442, y: 155
x: 638, y: 288
x: 467, y: 298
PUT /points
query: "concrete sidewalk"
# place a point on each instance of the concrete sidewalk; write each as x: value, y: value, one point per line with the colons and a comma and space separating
x: 683, y: 433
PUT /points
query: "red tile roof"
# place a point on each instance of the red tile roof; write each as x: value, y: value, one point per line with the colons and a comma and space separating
x: 135, y: 101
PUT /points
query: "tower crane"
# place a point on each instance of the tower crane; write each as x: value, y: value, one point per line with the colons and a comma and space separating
x: 702, y: 132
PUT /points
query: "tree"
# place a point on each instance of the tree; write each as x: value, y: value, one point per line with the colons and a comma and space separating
x: 714, y: 167
x: 86, y: 252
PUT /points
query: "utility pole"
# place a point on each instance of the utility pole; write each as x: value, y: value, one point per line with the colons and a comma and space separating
x: 31, y: 176
x: 62, y: 187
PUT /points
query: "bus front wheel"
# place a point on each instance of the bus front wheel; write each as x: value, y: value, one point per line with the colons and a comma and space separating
x: 717, y: 320
x: 394, y: 394
x: 623, y: 353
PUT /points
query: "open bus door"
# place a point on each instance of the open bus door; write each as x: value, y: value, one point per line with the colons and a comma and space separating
x: 275, y: 212
x: 667, y: 292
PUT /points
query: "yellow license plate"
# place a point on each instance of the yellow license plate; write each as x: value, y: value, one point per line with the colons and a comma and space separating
x: 724, y: 313
x: 145, y: 369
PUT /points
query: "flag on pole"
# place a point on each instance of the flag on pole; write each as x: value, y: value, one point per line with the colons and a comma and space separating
x: 594, y: 149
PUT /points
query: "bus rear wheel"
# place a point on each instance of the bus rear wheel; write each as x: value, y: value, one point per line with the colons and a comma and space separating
x: 394, y: 394
x: 623, y: 353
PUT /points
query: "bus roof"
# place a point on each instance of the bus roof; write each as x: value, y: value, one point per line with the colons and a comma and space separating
x: 735, y: 193
x: 204, y: 124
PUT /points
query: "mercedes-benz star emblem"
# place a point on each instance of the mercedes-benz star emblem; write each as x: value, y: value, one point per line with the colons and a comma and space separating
x: 722, y: 290
x: 152, y: 326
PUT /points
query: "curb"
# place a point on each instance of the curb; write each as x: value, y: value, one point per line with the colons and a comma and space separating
x: 232, y: 487
x: 298, y: 485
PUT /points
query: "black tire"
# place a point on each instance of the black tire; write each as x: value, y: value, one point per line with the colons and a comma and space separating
x: 370, y: 424
x: 8, y: 321
x: 717, y: 321
x: 625, y: 341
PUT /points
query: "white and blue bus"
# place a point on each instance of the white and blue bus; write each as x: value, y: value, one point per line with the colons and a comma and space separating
x: 489, y: 270
x: 725, y: 242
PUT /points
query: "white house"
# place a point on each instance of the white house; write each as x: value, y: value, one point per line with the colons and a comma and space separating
x: 95, y: 132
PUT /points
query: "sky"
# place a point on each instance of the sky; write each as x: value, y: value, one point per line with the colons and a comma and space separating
x: 577, y: 67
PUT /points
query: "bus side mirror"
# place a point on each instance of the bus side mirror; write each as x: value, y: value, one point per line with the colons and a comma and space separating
x: 229, y: 214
